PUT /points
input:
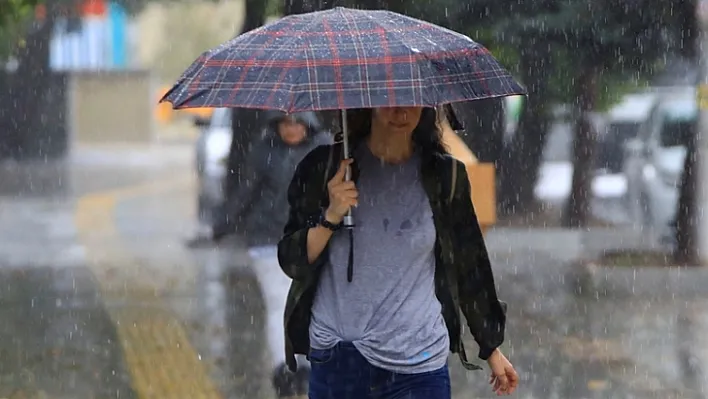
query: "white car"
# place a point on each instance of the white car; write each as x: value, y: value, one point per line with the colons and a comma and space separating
x: 621, y: 124
x: 212, y: 151
x: 655, y: 158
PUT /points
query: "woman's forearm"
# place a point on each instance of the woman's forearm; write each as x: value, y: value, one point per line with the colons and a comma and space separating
x: 317, y: 239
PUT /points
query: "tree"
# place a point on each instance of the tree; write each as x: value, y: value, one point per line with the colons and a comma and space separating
x: 26, y: 87
x: 603, y: 37
x: 687, y: 251
x: 522, y: 158
x: 13, y: 15
x: 496, y: 25
x: 681, y: 15
x: 568, y: 51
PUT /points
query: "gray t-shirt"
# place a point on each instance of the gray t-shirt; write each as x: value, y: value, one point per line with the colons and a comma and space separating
x: 389, y: 311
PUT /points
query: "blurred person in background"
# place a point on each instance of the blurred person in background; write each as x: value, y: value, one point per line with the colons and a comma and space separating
x: 257, y: 210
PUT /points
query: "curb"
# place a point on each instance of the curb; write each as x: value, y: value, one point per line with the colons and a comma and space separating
x: 657, y: 282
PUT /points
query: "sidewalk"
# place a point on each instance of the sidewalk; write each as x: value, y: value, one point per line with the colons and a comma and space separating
x: 608, y: 333
x: 73, y: 327
x: 56, y: 339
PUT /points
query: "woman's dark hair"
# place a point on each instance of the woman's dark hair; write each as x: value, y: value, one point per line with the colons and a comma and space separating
x: 427, y: 136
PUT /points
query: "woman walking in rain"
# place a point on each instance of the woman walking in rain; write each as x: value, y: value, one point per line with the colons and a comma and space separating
x: 376, y: 308
x: 258, y: 210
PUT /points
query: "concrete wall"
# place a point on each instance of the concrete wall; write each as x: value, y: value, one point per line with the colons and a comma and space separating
x: 112, y: 107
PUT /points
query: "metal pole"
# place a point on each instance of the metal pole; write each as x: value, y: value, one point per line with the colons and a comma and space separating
x: 348, y: 220
x: 702, y: 132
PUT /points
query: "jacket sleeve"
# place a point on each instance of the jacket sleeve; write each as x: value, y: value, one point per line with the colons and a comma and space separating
x: 485, y: 314
x: 236, y: 203
x: 305, y: 200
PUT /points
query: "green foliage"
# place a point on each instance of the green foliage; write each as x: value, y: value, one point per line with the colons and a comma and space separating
x: 13, y: 15
x: 611, y: 32
x: 613, y: 83
x: 13, y: 11
x: 604, y: 33
x: 611, y: 35
x: 274, y: 7
x: 441, y: 12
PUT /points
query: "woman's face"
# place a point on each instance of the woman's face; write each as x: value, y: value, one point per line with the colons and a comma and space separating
x: 291, y: 131
x: 400, y: 120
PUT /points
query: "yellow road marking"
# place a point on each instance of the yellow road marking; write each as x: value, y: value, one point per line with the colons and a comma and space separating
x: 598, y: 385
x: 161, y: 360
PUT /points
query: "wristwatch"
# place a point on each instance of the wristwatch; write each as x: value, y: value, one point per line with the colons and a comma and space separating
x: 322, y: 221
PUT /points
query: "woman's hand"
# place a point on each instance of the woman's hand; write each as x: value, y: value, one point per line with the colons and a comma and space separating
x: 342, y: 194
x: 504, y: 378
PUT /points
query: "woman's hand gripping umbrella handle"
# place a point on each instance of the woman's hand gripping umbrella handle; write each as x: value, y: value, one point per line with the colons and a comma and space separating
x: 343, y: 196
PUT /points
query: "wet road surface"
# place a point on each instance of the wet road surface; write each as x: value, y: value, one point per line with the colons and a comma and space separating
x: 100, y: 299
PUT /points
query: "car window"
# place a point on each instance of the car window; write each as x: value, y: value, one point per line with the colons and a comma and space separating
x: 675, y: 132
x: 624, y: 130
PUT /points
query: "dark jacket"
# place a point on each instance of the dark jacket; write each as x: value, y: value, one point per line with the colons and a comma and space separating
x: 257, y: 209
x: 463, y: 273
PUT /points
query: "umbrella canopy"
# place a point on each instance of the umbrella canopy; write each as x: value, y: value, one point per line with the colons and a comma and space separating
x: 343, y: 59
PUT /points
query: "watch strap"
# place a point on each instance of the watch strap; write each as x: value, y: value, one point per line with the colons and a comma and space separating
x: 327, y: 224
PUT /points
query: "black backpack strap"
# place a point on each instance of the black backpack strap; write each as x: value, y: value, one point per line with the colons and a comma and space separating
x: 449, y: 166
x: 453, y: 181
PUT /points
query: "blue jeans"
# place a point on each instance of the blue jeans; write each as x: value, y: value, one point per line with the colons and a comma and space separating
x: 343, y: 373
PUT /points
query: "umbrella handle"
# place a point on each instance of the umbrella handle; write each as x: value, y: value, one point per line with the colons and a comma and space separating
x: 348, y: 221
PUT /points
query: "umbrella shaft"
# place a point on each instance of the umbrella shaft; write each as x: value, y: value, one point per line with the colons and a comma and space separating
x: 348, y: 220
x: 345, y: 143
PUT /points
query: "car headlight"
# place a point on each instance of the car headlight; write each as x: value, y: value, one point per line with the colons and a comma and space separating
x: 649, y: 172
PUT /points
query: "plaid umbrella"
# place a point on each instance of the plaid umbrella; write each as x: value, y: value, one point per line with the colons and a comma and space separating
x: 342, y: 59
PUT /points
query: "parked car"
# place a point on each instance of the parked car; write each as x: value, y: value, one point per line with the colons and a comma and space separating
x: 212, y: 151
x: 622, y: 123
x: 655, y: 160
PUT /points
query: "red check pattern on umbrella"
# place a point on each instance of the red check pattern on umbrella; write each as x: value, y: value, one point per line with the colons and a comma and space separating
x: 342, y: 59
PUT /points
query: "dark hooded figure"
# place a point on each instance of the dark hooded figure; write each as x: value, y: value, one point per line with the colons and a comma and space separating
x: 258, y: 209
